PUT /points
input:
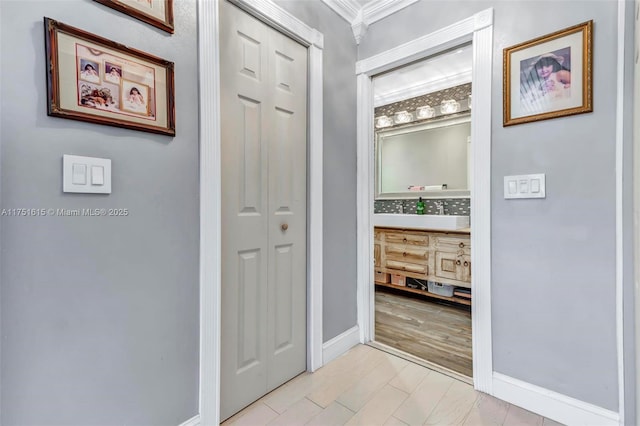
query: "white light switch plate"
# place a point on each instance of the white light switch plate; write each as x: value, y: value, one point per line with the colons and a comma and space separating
x: 525, y: 186
x: 99, y: 184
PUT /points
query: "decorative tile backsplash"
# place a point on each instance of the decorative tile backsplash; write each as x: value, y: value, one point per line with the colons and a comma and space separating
x: 452, y: 206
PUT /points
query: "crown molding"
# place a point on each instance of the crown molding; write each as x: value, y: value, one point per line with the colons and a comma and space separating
x: 422, y: 88
x: 347, y: 9
x: 360, y: 17
x: 359, y: 27
x: 380, y: 9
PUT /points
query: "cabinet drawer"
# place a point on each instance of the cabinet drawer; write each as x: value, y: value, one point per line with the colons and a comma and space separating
x: 453, y: 244
x: 453, y: 266
x: 407, y: 237
x: 407, y: 267
x: 406, y: 253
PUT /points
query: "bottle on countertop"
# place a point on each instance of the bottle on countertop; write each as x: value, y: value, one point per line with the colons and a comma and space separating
x: 420, y: 206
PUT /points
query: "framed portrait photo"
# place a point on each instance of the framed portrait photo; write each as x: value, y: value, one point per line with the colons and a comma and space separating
x: 158, y: 13
x: 549, y: 77
x: 90, y: 78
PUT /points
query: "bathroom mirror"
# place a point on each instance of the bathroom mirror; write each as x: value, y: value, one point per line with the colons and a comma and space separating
x: 422, y: 116
x: 430, y: 160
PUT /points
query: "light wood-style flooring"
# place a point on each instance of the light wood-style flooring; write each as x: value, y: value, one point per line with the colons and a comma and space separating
x: 370, y: 387
x: 432, y: 331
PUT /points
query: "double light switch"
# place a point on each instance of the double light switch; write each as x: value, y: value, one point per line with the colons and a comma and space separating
x: 525, y: 186
x: 86, y: 174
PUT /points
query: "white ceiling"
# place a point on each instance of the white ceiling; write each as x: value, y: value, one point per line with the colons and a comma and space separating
x: 430, y: 75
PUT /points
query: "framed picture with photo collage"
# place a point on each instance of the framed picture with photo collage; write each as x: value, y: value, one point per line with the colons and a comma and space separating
x: 93, y: 79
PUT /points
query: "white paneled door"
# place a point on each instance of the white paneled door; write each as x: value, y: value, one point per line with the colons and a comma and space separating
x: 264, y: 140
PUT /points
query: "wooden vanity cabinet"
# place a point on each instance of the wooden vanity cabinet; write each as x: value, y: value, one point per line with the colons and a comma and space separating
x: 440, y: 256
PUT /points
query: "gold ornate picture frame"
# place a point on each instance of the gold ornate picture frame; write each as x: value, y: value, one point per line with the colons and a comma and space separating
x: 549, y: 77
x: 93, y: 79
x: 158, y: 13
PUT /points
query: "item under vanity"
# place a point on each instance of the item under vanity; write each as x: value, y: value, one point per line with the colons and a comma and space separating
x: 431, y: 263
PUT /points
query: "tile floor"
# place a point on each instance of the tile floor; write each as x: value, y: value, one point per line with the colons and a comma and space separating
x: 370, y: 387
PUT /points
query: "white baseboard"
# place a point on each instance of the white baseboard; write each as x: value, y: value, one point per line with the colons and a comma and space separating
x: 193, y: 421
x: 549, y: 404
x: 340, y: 344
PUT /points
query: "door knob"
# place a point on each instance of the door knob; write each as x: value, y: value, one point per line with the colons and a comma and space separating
x: 284, y: 226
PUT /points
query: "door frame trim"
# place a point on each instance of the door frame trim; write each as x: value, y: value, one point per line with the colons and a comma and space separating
x: 621, y: 225
x: 636, y: 205
x: 210, y: 189
x: 479, y: 30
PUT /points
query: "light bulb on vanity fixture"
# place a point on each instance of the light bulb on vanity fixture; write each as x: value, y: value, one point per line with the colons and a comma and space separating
x: 469, y: 101
x: 383, y: 121
x: 449, y: 106
x: 402, y: 117
x: 425, y: 112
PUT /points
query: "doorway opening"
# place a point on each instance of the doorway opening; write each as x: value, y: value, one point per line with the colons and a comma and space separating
x: 477, y: 30
x: 422, y: 250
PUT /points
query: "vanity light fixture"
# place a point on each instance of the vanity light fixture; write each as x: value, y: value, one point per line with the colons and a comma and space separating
x: 402, y: 117
x: 383, y: 121
x: 449, y: 106
x: 425, y: 112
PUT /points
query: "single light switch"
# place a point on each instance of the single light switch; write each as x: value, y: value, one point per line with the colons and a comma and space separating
x: 535, y: 186
x: 97, y: 175
x: 75, y: 174
x: 523, y: 186
x: 79, y: 174
x: 512, y: 187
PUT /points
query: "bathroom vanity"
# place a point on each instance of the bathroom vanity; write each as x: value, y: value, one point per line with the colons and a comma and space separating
x: 433, y: 255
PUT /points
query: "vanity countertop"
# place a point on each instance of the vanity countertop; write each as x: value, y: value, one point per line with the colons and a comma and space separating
x: 427, y: 221
x: 449, y: 231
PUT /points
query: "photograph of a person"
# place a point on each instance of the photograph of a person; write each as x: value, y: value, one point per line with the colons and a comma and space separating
x: 112, y: 72
x: 549, y: 77
x: 546, y: 78
x: 89, y: 70
x: 93, y: 96
x: 135, y: 97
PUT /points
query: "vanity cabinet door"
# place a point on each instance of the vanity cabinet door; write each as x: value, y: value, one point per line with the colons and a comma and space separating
x: 376, y: 255
x: 464, y: 269
x: 453, y: 266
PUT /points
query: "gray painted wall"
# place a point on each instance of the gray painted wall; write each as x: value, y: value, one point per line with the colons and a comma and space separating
x: 339, y: 172
x: 553, y: 264
x: 99, y: 314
